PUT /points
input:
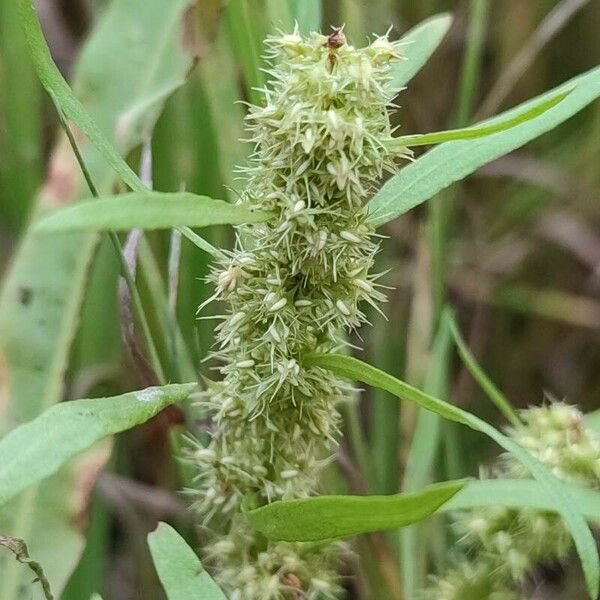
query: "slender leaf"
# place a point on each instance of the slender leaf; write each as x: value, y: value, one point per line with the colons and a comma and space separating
x: 328, y: 517
x: 60, y: 91
x: 20, y: 122
x: 325, y: 517
x: 479, y: 130
x: 355, y: 369
x: 417, y: 46
x: 521, y: 493
x: 37, y: 449
x: 179, y: 569
x: 247, y: 28
x: 147, y: 210
x: 488, y: 386
x: 307, y: 13
x: 453, y: 161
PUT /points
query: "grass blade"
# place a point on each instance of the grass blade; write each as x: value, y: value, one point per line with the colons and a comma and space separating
x: 521, y: 493
x: 453, y: 161
x: 479, y: 130
x: 179, y: 569
x: 357, y: 370
x: 329, y: 517
x: 37, y: 449
x: 308, y: 14
x: 147, y: 210
x: 488, y: 386
x: 59, y: 89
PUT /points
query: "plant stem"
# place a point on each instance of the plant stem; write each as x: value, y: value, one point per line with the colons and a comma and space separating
x: 125, y: 271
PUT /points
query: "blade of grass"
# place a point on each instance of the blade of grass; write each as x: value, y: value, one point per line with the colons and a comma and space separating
x: 494, y: 394
x: 247, y: 29
x: 421, y: 460
x: 308, y: 14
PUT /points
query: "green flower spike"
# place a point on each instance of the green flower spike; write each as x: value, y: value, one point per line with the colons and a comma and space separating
x: 293, y: 286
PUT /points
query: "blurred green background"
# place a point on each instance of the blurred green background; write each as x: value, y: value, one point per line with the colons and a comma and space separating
x: 515, y: 249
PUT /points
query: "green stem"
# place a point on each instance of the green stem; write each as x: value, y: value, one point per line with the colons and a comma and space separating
x: 125, y: 271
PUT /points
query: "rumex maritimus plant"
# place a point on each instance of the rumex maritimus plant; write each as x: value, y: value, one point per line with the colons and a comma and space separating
x: 293, y: 286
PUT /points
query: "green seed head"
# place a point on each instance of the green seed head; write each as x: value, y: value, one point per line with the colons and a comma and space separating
x: 293, y: 285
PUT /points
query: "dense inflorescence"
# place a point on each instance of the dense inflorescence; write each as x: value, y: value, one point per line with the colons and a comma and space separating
x: 293, y: 285
x: 503, y: 545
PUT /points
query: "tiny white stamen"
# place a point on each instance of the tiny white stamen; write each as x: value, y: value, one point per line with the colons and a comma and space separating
x: 343, y: 308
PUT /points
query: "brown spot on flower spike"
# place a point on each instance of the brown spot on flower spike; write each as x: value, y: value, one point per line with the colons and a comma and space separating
x: 335, y: 40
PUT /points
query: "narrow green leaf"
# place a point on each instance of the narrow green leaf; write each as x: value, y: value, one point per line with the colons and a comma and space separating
x: 328, y: 517
x: 453, y: 161
x: 521, y: 493
x: 420, y: 464
x: 355, y: 369
x: 60, y: 91
x: 488, y: 386
x: 307, y: 13
x: 417, y: 46
x: 147, y: 210
x: 37, y: 449
x: 479, y: 130
x: 324, y: 517
x: 179, y: 569
x: 247, y: 28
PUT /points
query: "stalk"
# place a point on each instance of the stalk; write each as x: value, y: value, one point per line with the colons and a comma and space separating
x: 292, y: 286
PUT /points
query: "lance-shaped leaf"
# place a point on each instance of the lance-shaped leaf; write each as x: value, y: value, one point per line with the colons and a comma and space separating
x: 479, y: 130
x: 179, y: 569
x: 453, y: 161
x: 521, y: 493
x: 355, y: 369
x: 147, y: 210
x: 417, y: 45
x: 325, y: 517
x: 328, y: 517
x: 37, y: 449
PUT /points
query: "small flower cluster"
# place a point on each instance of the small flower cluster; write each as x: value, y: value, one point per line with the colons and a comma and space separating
x: 293, y: 285
x: 506, y: 544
